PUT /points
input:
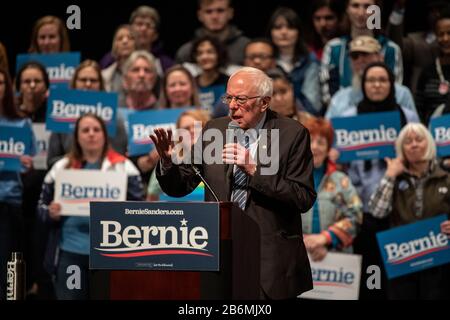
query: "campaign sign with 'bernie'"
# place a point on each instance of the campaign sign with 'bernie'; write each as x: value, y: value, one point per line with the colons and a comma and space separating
x: 60, y: 66
x: 14, y: 143
x: 336, y: 277
x: 440, y: 129
x: 141, y: 125
x: 154, y: 236
x: 367, y: 136
x: 74, y: 189
x: 64, y: 107
x: 414, y: 247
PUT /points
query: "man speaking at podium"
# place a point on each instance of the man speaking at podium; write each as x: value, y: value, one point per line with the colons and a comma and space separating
x: 275, y: 199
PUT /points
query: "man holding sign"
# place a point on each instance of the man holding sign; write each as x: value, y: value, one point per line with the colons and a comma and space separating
x: 69, y: 235
x: 415, y: 188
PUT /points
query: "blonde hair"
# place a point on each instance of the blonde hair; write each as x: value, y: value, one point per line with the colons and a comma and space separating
x: 62, y: 31
x: 422, y: 131
x: 164, y: 101
x: 114, y: 46
x: 198, y: 114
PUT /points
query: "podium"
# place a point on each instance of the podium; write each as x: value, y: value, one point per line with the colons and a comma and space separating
x: 238, y: 276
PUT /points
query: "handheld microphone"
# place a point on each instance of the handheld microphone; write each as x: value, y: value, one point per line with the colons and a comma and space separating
x: 197, y: 172
x: 231, y: 136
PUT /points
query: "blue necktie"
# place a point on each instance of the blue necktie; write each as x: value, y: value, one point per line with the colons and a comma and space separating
x: 240, y: 180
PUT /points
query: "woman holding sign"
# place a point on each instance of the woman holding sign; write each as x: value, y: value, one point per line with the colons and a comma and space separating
x: 69, y: 238
x: 413, y: 188
x: 378, y: 88
x: 334, y: 220
x: 11, y: 188
x: 87, y: 76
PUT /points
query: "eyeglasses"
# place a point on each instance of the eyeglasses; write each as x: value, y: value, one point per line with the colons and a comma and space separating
x: 240, y: 100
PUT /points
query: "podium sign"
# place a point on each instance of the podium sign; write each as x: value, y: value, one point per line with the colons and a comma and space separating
x: 154, y: 236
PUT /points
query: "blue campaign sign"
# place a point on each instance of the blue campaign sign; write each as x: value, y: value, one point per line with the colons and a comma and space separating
x: 142, y: 123
x: 197, y: 195
x: 367, y: 136
x: 64, y: 107
x: 154, y: 236
x: 60, y: 66
x: 14, y: 143
x: 440, y: 129
x: 210, y: 95
x: 414, y: 247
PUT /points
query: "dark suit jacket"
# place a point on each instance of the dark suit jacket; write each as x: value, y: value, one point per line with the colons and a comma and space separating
x: 275, y: 202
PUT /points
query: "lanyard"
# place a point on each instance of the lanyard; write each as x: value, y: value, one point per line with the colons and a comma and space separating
x: 439, y: 71
x: 444, y: 84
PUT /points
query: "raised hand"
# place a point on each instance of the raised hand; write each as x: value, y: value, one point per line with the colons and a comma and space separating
x: 164, y: 145
x: 395, y: 167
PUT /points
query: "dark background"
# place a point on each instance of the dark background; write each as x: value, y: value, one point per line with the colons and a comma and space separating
x: 100, y: 18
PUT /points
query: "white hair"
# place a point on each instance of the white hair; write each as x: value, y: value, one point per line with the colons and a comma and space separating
x: 137, y: 55
x: 420, y: 130
x: 264, y: 84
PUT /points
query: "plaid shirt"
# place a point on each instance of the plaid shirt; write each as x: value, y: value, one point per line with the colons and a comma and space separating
x: 380, y: 203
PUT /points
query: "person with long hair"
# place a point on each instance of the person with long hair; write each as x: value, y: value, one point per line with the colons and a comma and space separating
x: 124, y: 43
x: 32, y: 83
x: 11, y: 188
x: 49, y: 35
x: 210, y: 57
x: 87, y: 76
x: 68, y: 242
x: 284, y: 101
x: 179, y: 89
x: 145, y: 23
x: 294, y: 59
x: 326, y: 20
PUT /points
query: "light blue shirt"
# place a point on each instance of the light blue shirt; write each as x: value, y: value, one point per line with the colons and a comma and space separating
x: 75, y: 230
x: 11, y: 187
x: 344, y: 103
